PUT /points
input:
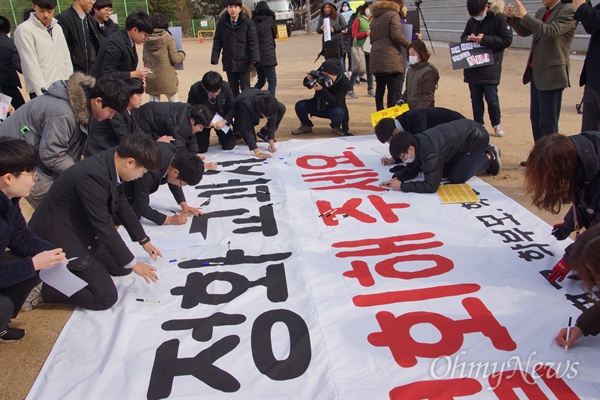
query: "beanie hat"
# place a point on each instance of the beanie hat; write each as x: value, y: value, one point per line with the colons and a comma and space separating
x: 331, y: 66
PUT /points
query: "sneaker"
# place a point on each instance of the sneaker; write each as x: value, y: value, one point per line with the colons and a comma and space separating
x: 362, y: 80
x: 357, y: 83
x: 498, y: 131
x: 33, y: 299
x: 370, y: 93
x: 352, y: 95
x: 338, y: 131
x: 263, y: 134
x: 302, y: 130
x: 523, y: 163
x: 495, y: 163
x: 8, y: 335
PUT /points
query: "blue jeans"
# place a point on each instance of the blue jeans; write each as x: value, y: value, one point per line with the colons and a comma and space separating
x: 490, y: 92
x: 355, y: 75
x: 544, y: 111
x: 309, y: 106
x: 269, y: 75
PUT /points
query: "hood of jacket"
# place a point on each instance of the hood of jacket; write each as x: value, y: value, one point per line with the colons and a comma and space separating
x: 381, y: 7
x: 497, y: 6
x: 75, y: 91
x: 157, y: 39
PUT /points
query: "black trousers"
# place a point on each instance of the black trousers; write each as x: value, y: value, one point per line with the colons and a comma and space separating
x: 226, y: 140
x: 469, y: 164
x: 100, y: 293
x: 591, y: 110
x: 239, y: 81
x: 13, y: 297
x: 391, y: 82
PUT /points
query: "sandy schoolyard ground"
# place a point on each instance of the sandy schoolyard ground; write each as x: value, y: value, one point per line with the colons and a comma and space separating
x: 21, y: 361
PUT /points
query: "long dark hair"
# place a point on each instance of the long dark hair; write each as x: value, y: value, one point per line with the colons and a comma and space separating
x: 551, y: 171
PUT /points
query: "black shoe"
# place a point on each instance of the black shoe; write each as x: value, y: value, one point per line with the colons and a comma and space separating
x: 362, y: 80
x: 263, y: 134
x: 8, y: 335
x: 495, y: 163
x: 523, y: 163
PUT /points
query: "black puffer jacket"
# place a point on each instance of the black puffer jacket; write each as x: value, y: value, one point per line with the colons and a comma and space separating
x: 587, y: 183
x: 264, y: 20
x: 239, y: 44
x: 437, y: 146
x: 171, y: 119
x: 497, y: 36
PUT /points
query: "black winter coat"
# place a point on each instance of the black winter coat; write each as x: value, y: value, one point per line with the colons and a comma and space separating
x: 239, y: 44
x: 15, y: 235
x: 103, y: 135
x: 590, y: 19
x: 420, y: 119
x: 171, y: 119
x: 225, y: 99
x: 497, y: 36
x: 436, y: 147
x: 264, y: 20
x: 334, y: 96
x: 10, y: 62
x: 83, y: 50
x: 108, y: 29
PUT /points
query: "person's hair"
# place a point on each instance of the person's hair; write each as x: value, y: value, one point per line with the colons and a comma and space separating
x: 400, y: 3
x: 233, y: 3
x: 45, y: 4
x: 585, y: 258
x: 201, y: 114
x: 27, y: 14
x: 550, y: 175
x: 133, y: 86
x: 333, y: 14
x: 190, y: 167
x: 142, y: 149
x: 212, y: 81
x: 159, y: 21
x: 262, y: 5
x: 113, y: 92
x: 475, y: 7
x: 17, y: 156
x: 384, y: 129
x: 267, y: 105
x: 400, y: 143
x: 420, y: 48
x: 4, y: 25
x: 139, y: 20
x: 100, y: 4
x: 361, y: 9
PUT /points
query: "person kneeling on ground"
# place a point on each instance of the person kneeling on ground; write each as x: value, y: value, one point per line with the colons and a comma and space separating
x: 78, y: 214
x: 414, y: 121
x: 217, y: 95
x: 456, y: 150
x: 177, y: 170
x: 28, y: 253
x: 252, y: 105
x: 329, y: 101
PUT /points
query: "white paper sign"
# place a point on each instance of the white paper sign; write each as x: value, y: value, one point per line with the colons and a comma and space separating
x: 326, y: 30
x: 63, y: 280
x: 178, y: 36
x: 4, y: 105
x: 219, y: 118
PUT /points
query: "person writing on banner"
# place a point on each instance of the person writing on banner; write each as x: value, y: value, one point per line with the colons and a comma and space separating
x: 421, y: 78
x: 414, y: 121
x: 329, y: 100
x: 590, y: 19
x: 250, y: 107
x: 585, y: 254
x: 78, y: 214
x: 216, y: 94
x: 28, y: 253
x: 487, y: 27
x: 455, y: 150
x: 566, y: 170
x: 177, y: 170
x: 547, y: 70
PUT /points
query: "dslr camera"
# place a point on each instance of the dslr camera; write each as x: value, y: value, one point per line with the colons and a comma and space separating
x: 317, y: 77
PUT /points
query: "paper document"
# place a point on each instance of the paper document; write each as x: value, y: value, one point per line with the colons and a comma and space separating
x: 4, y: 105
x: 181, y: 242
x: 63, y: 280
x: 219, y: 118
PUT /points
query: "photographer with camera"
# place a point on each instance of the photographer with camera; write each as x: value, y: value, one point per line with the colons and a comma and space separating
x: 329, y: 101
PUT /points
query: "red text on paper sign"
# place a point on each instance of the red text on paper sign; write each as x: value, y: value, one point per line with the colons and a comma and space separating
x: 360, y: 178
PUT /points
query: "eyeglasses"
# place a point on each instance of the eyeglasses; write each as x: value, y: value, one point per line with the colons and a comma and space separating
x: 34, y: 174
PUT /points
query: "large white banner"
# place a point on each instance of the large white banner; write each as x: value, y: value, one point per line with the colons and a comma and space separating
x: 314, y: 283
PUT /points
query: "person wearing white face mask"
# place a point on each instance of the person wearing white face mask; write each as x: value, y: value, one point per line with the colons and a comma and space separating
x: 421, y: 78
x: 455, y: 150
x: 488, y: 27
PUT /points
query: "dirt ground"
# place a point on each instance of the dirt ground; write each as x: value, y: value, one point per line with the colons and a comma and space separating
x: 21, y: 361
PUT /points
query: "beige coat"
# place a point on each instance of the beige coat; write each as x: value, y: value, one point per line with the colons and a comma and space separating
x: 160, y: 55
x: 386, y: 39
